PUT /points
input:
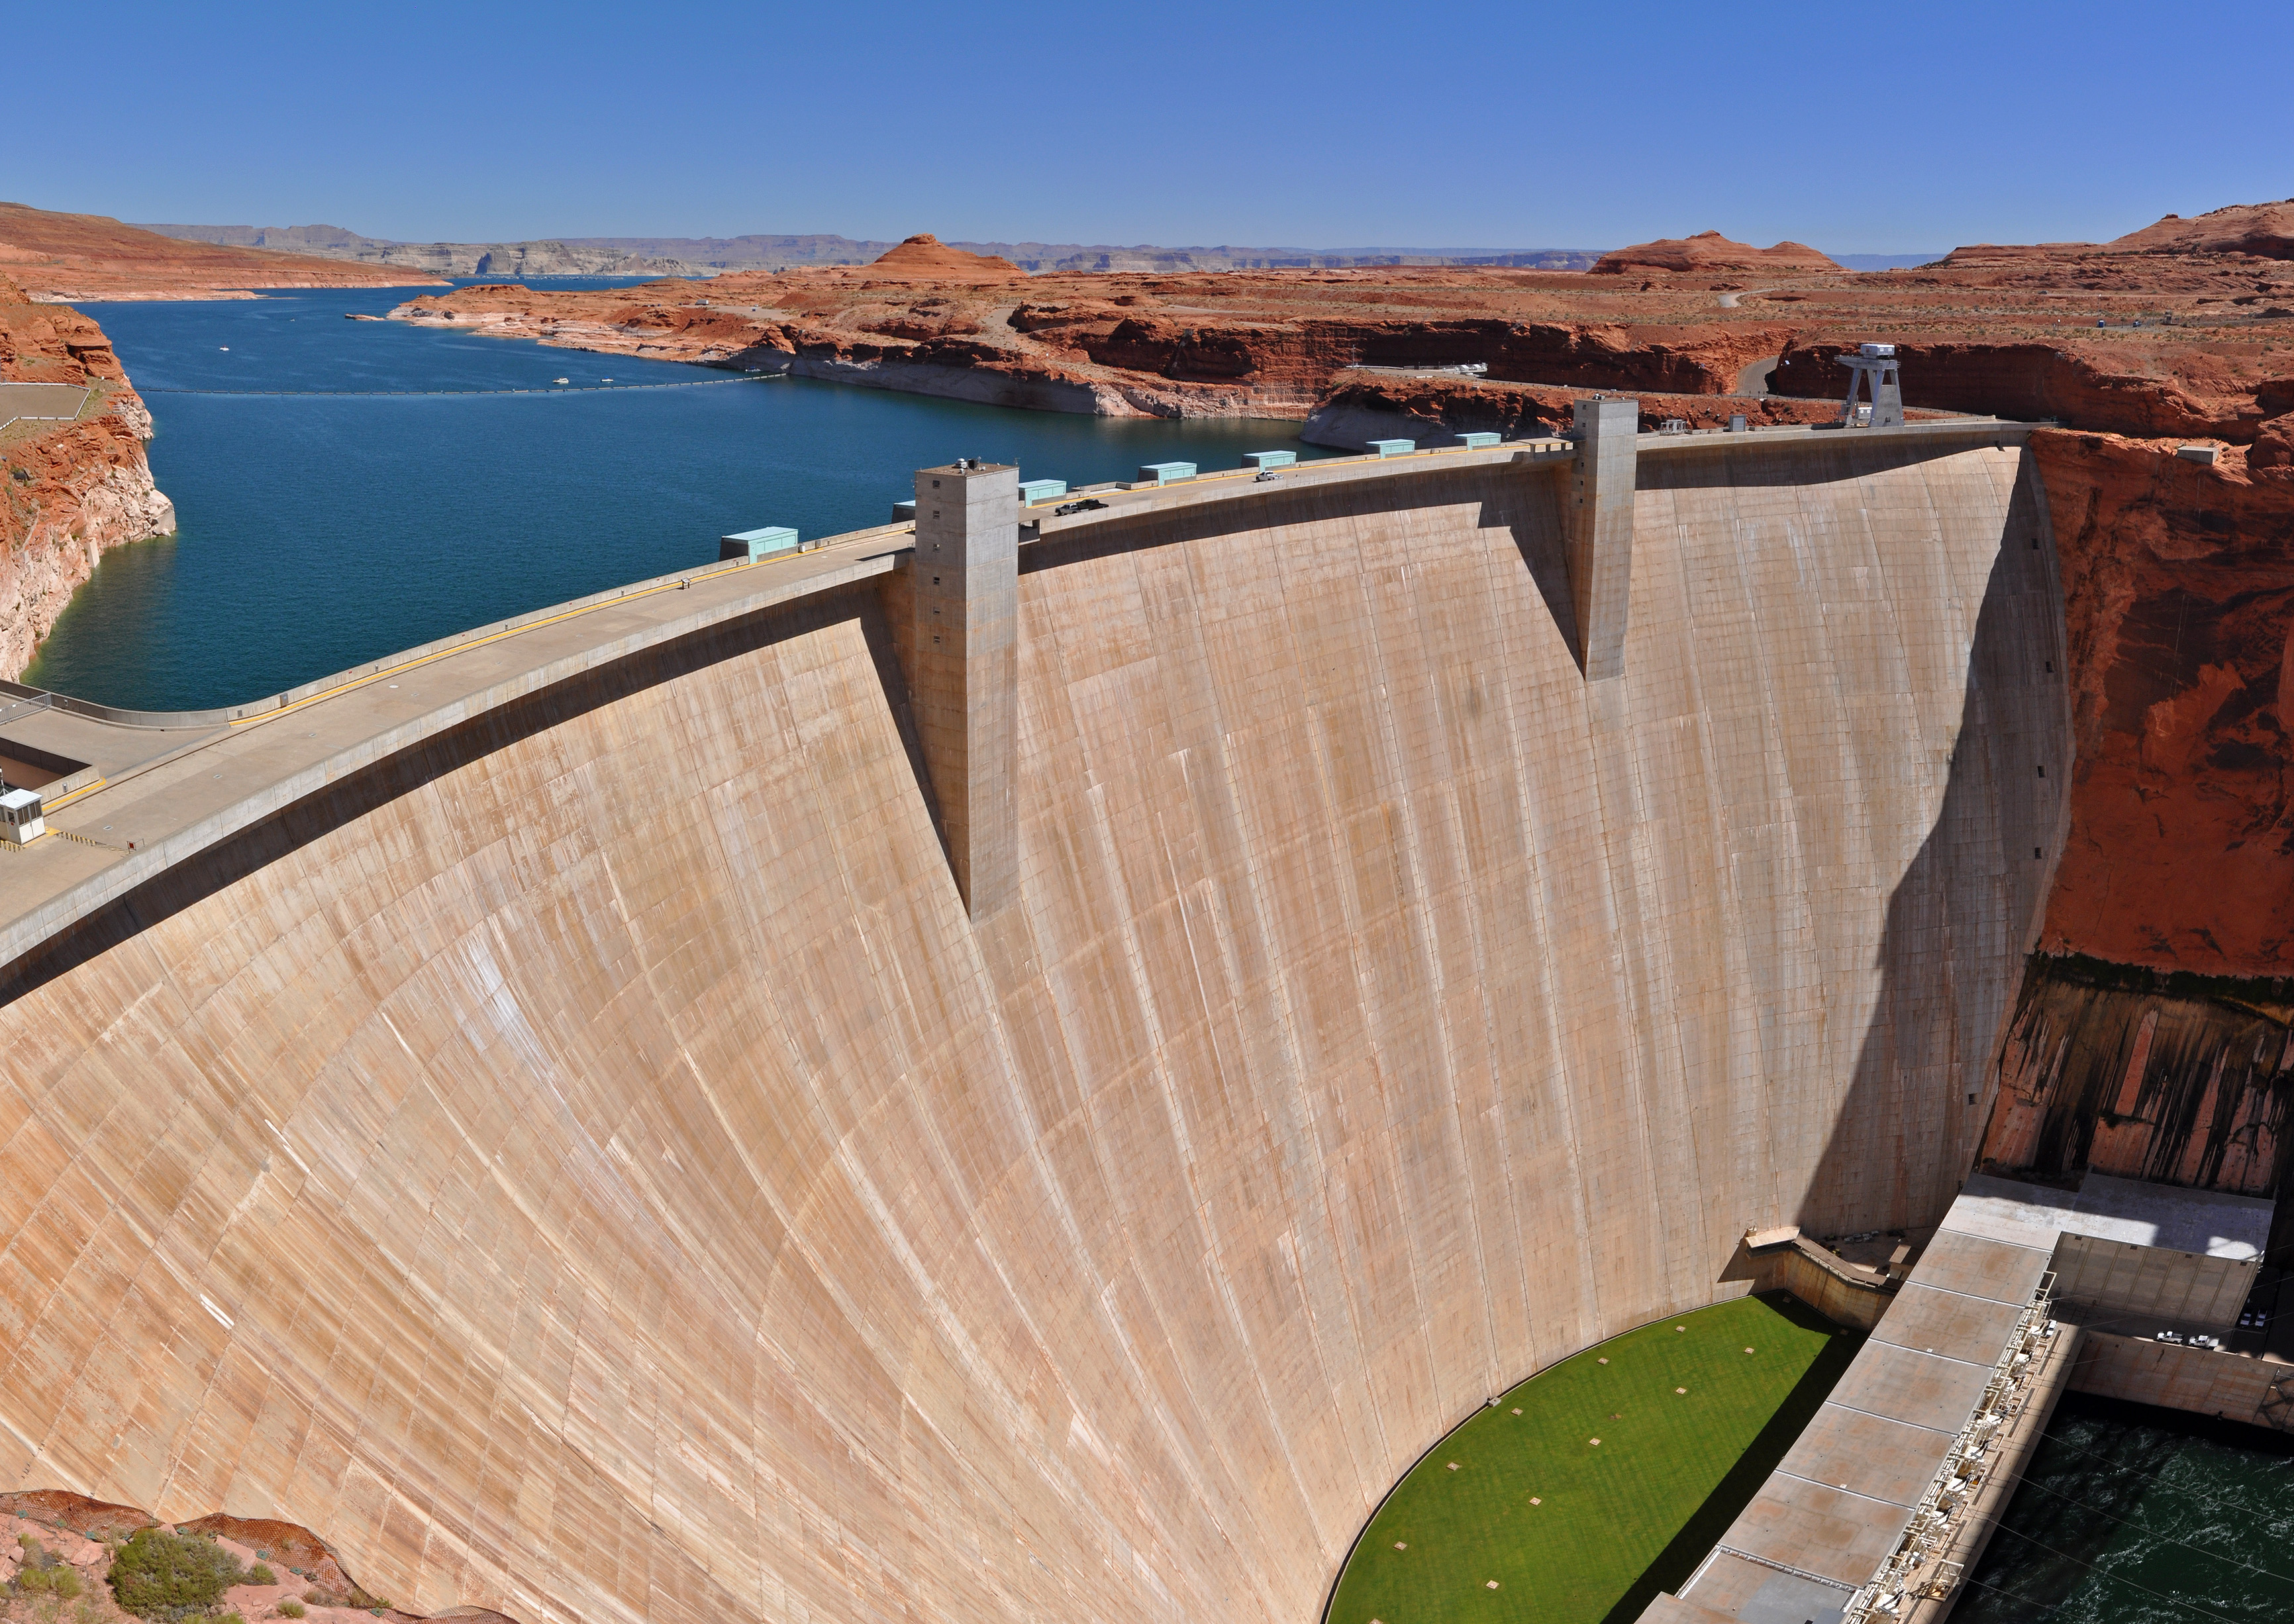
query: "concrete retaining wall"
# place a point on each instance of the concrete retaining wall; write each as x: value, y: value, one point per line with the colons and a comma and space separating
x: 2198, y: 1379
x: 1839, y: 1290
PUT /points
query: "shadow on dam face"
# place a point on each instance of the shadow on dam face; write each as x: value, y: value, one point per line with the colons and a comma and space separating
x: 587, y: 1166
x: 1907, y: 1129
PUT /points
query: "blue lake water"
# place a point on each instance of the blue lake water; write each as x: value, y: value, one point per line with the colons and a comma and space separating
x: 323, y: 527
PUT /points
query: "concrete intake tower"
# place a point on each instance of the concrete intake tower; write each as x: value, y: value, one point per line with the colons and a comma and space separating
x: 707, y: 1103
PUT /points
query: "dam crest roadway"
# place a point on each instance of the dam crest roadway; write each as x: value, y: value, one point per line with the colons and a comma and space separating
x: 572, y: 1142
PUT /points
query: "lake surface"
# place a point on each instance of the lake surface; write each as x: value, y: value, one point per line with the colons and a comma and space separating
x: 2132, y: 1515
x: 323, y: 527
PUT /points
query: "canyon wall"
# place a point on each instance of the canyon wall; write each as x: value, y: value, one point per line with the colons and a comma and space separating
x: 2138, y: 1078
x: 2152, y: 1041
x: 2034, y: 382
x: 1068, y: 344
x: 2179, y: 602
x: 69, y: 491
x: 587, y: 1166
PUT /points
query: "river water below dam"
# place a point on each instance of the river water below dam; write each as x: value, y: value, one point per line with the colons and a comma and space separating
x: 347, y: 489
x: 2136, y: 1515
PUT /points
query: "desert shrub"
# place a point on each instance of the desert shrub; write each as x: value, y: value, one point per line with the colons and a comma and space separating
x: 290, y: 1610
x: 261, y: 1574
x: 58, y: 1581
x: 169, y: 1577
x: 44, y: 1572
x: 316, y: 1596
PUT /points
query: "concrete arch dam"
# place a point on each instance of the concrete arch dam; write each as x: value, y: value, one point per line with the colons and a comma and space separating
x: 542, y: 1112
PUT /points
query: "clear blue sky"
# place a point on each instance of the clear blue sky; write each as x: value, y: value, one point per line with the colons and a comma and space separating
x: 1858, y: 128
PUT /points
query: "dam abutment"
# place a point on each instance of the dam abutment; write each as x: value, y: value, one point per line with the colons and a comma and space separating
x: 1368, y: 1020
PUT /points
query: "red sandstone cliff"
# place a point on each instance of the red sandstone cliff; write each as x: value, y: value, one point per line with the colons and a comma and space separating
x: 68, y: 490
x: 1203, y: 345
x: 2192, y: 389
x: 2179, y: 584
x: 2155, y: 1036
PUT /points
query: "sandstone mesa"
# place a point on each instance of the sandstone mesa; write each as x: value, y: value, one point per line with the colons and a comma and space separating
x: 1709, y: 253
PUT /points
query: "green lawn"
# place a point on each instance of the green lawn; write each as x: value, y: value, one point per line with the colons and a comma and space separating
x: 1575, y: 1531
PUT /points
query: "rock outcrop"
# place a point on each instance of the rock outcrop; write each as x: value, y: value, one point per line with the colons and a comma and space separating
x: 49, y: 1530
x: 2253, y: 230
x: 2187, y: 343
x: 1709, y: 253
x: 2153, y: 1035
x: 2177, y: 1079
x: 925, y: 258
x: 2265, y: 230
x: 69, y: 491
x: 546, y: 259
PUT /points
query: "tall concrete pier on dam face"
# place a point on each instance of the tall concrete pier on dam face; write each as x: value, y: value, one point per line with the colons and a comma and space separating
x: 554, y: 1129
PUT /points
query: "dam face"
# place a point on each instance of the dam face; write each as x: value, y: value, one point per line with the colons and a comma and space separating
x: 583, y: 1161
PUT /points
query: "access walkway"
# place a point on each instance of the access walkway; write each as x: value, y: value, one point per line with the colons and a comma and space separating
x: 1903, y: 1466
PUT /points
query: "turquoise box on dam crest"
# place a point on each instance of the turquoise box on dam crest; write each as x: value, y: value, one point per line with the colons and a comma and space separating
x: 753, y: 545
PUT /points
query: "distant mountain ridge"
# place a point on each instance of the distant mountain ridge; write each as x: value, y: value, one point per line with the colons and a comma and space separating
x: 707, y: 255
x: 547, y: 258
x: 766, y: 251
x: 774, y: 253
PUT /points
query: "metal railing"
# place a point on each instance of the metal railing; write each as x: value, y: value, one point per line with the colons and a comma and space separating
x: 1916, y: 1569
x: 2276, y: 1409
x: 16, y: 710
